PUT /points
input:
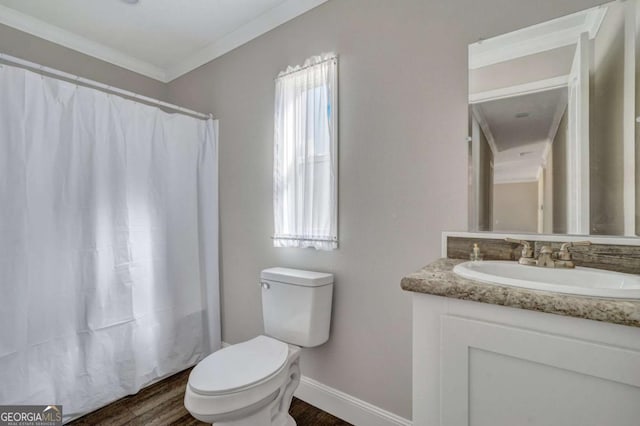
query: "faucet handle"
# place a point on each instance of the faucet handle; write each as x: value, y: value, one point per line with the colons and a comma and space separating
x: 527, y: 252
x: 565, y: 254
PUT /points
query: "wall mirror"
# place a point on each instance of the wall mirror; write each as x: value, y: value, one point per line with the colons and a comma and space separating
x: 554, y: 142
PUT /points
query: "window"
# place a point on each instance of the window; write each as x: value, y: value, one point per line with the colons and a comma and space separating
x: 305, y: 173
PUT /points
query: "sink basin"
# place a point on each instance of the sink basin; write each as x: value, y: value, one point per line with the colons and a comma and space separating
x: 579, y: 281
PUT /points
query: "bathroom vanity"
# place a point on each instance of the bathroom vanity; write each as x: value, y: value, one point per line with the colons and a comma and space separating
x: 487, y: 354
x: 525, y: 338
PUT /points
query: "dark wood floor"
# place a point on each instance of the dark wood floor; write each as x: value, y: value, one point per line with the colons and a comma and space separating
x: 162, y: 404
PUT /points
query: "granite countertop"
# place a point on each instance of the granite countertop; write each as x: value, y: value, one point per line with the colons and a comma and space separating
x: 439, y: 279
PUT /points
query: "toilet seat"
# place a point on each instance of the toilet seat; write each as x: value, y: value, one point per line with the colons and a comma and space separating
x: 249, y: 401
x: 239, y: 367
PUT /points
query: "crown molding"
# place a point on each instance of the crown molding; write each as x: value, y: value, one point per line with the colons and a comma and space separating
x: 546, y: 153
x: 28, y: 24
x: 478, y: 114
x: 557, y: 118
x: 285, y: 11
x: 269, y: 20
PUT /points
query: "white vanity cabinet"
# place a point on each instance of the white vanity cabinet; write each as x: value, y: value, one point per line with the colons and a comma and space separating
x: 480, y: 364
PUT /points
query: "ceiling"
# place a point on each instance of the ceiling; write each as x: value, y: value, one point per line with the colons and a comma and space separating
x: 520, y: 130
x: 523, y: 120
x: 161, y: 39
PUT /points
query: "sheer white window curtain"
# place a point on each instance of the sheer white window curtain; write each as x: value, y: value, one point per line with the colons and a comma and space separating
x: 305, y: 155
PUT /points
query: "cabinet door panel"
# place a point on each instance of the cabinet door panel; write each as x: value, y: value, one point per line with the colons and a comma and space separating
x: 498, y: 375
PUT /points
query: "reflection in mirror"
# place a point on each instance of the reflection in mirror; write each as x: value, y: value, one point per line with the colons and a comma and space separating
x: 552, y: 125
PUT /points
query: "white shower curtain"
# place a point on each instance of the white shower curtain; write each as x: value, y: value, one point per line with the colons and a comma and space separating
x: 108, y: 243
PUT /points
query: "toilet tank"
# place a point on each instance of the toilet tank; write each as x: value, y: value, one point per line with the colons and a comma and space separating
x: 296, y: 305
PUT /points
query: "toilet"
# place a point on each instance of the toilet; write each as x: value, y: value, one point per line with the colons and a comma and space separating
x: 252, y: 383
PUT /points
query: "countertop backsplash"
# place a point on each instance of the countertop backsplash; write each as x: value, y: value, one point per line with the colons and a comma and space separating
x: 611, y: 257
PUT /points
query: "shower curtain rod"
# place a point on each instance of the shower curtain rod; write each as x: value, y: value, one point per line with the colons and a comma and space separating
x: 72, y: 78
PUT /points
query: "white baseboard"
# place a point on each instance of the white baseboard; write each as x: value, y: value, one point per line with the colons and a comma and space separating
x: 344, y: 406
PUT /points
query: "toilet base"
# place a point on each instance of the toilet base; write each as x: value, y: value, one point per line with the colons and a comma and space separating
x: 290, y: 421
x: 260, y: 418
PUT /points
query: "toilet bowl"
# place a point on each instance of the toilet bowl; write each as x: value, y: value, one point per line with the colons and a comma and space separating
x: 252, y: 383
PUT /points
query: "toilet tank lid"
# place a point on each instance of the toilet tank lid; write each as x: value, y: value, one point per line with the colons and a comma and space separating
x: 297, y: 277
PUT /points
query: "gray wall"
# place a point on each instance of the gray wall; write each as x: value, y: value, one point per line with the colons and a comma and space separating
x: 515, y: 207
x: 540, y: 66
x: 606, y: 142
x: 25, y: 46
x: 403, y: 160
x: 486, y: 185
x: 548, y: 195
x: 560, y: 167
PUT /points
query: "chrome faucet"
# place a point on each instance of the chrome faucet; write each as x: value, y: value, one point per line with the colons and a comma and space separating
x: 547, y: 258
